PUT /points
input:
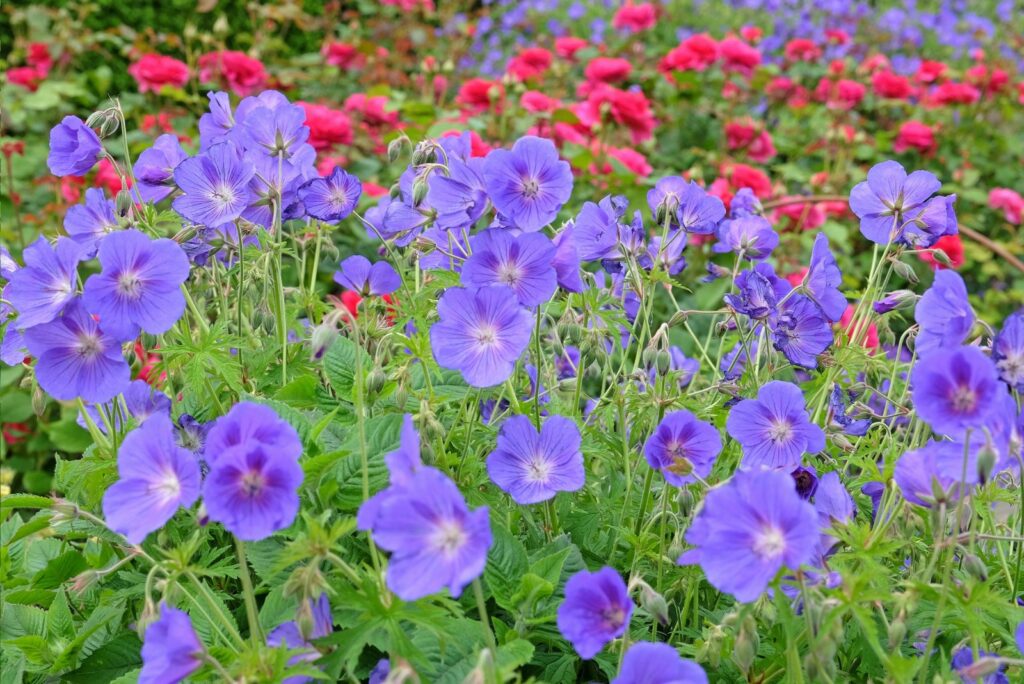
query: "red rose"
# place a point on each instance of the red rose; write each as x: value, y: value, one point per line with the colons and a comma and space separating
x: 1011, y: 203
x: 954, y: 93
x: 608, y: 69
x: 738, y: 56
x: 635, y: 17
x: 341, y: 55
x: 530, y: 63
x: 478, y: 95
x: 568, y: 46
x: 696, y: 53
x: 327, y: 127
x: 802, y: 50
x: 890, y: 85
x: 27, y: 77
x: 39, y: 57
x: 743, y: 176
x: 534, y: 101
x: 915, y: 135
x: 241, y: 73
x: 841, y: 94
x: 930, y: 72
x: 153, y: 72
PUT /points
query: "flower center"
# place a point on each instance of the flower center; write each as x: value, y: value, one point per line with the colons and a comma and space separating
x: 252, y: 483
x: 129, y: 284
x: 224, y: 194
x: 509, y: 273
x: 338, y: 198
x: 1012, y: 368
x: 486, y: 335
x: 89, y: 346
x: 61, y: 289
x: 167, y: 487
x: 769, y: 543
x: 964, y: 399
x: 780, y: 431
x: 449, y: 537
x: 539, y: 470
x: 613, y: 616
x: 531, y: 187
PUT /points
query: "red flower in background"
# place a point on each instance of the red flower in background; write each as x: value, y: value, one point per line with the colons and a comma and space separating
x: 743, y: 176
x: 799, y: 216
x: 802, y: 50
x: 870, y: 340
x: 954, y: 93
x: 915, y: 135
x: 635, y: 18
x: 535, y: 101
x: 952, y: 246
x: 341, y: 55
x: 327, y: 127
x: 841, y: 94
x: 608, y: 69
x: 239, y: 72
x: 479, y: 95
x: 991, y: 81
x: 106, y: 177
x: 738, y: 57
x: 696, y: 53
x: 27, y: 77
x: 629, y: 108
x: 744, y: 135
x: 153, y: 72
x: 39, y: 57
x: 930, y: 72
x: 1011, y: 203
x: 893, y: 86
x: 567, y: 46
x: 530, y: 63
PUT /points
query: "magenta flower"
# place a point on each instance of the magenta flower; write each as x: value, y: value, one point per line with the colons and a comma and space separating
x: 534, y: 466
x: 481, y: 333
x: 139, y: 286
x: 748, y: 530
x: 523, y: 263
x: 682, y: 446
x: 155, y: 478
x: 529, y: 184
x: 774, y: 429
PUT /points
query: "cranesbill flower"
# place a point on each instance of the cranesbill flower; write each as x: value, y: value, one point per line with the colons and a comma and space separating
x: 567, y: 260
x: 434, y: 539
x: 595, y: 611
x: 522, y: 263
x: 171, y: 650
x: 774, y: 429
x: 887, y: 199
x: 689, y: 205
x: 74, y: 148
x: 1008, y: 351
x: 943, y: 313
x: 248, y: 421
x: 749, y: 529
x: 43, y: 287
x: 956, y: 390
x: 139, y: 401
x: 217, y: 124
x: 460, y: 196
x: 931, y: 221
x: 966, y: 663
x: 934, y: 472
x: 735, y: 361
x: 290, y: 635
x: 90, y: 222
x: 802, y: 332
x: 215, y: 185
x: 834, y: 505
x: 534, y: 466
x: 402, y: 464
x: 278, y: 132
x: 682, y: 446
x: 333, y: 197
x: 824, y: 278
x: 837, y: 401
x: 651, y: 663
x: 358, y: 274
x: 154, y: 169
x: 139, y: 286
x: 155, y: 478
x: 274, y: 187
x: 756, y: 297
x: 529, y: 183
x: 481, y: 333
x: 596, y: 228
x: 750, y: 236
x: 75, y: 359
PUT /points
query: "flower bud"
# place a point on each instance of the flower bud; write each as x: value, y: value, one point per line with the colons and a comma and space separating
x: 375, y: 380
x: 663, y: 362
x: 321, y: 340
x: 678, y: 318
x: 975, y: 567
x: 123, y: 202
x: 987, y: 457
x: 419, y: 191
x: 904, y: 271
x: 85, y: 580
x: 654, y: 603
x: 396, y: 148
x: 940, y: 256
x: 685, y: 500
x: 38, y: 401
x: 897, y: 299
x: 897, y: 632
x: 648, y: 356
x: 747, y: 642
x: 423, y: 153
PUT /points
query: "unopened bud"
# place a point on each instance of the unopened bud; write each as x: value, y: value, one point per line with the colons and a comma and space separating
x: 747, y: 643
x: 685, y: 500
x: 663, y: 362
x: 678, y: 318
x: 423, y: 154
x: 975, y: 567
x: 375, y: 380
x: 654, y: 603
x: 904, y: 271
x: 898, y: 299
x: 321, y: 340
x: 897, y: 632
x: 123, y: 202
x: 38, y: 401
x: 987, y: 458
x: 940, y: 256
x: 648, y: 356
x: 396, y: 147
x: 85, y: 580
x: 419, y: 191
x: 395, y: 191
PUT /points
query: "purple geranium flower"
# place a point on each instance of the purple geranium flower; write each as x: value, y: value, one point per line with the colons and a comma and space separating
x: 973, y: 669
x: 806, y: 479
x: 460, y: 197
x: 735, y: 361
x: 434, y: 539
x: 802, y: 331
x: 757, y: 297
x: 1008, y: 351
x: 650, y: 663
x: 90, y: 222
x: 290, y: 635
x: 749, y: 529
x: 774, y: 429
x: 523, y: 263
x: 74, y: 148
x: 943, y: 313
x: 567, y: 260
x: 41, y: 290
x: 596, y: 610
x: 248, y: 421
x: 824, y: 278
x: 154, y: 169
x: 534, y: 466
x: 833, y: 505
x: 171, y: 650
x: 216, y: 186
x: 681, y: 446
x: 156, y: 477
x: 481, y: 333
x: 280, y: 132
x: 139, y: 401
x: 402, y: 464
x: 139, y: 286
x: 357, y: 273
x: 217, y: 124
x: 956, y: 390
x: 929, y: 222
x: 333, y: 197
x: 75, y: 359
x: 935, y: 470
x: 750, y: 236
x: 887, y: 199
x: 596, y: 229
x: 529, y: 184
x: 689, y: 205
x: 274, y: 187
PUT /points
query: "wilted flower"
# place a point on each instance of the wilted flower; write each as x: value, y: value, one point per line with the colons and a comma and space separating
x: 596, y: 610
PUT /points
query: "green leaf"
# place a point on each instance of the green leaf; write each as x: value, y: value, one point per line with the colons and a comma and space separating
x: 25, y: 501
x: 18, y: 620
x: 36, y: 649
x: 59, y: 570
x: 506, y: 565
x: 109, y: 662
x: 340, y: 365
x: 382, y: 436
x: 59, y: 623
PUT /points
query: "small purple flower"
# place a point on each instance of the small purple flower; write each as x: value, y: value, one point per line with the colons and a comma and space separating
x: 567, y: 364
x: 744, y: 203
x: 749, y: 529
x: 139, y: 286
x: 523, y: 263
x: 897, y: 299
x: 935, y: 470
x: 833, y: 504
x: 481, y: 333
x: 333, y: 197
x: 824, y: 278
x: 529, y: 184
x: 434, y: 539
x: 402, y: 464
x: 154, y: 169
x: 75, y: 359
x: 837, y: 401
x: 171, y: 650
x: 943, y: 313
x: 356, y: 273
x: 956, y: 390
x: 596, y: 228
x: 274, y: 181
x: 380, y: 671
x: 139, y: 401
x: 689, y: 205
x: 534, y: 466
x: 888, y: 198
x: 757, y: 297
x: 248, y: 421
x: 973, y: 670
x: 596, y: 610
x: 750, y: 236
x: 567, y: 260
x: 216, y: 186
x: 682, y: 446
x: 806, y: 479
x: 1008, y: 351
x: 156, y: 477
x: 735, y: 361
x: 290, y: 635
x: 929, y: 222
x: 1019, y: 637
x: 774, y: 429
x: 802, y: 331
x: 74, y: 148
x: 41, y: 290
x: 650, y: 663
x: 460, y: 197
x: 217, y: 124
x: 278, y: 132
x: 90, y: 222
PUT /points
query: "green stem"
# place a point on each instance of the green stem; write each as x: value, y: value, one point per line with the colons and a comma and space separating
x: 251, y: 611
x: 481, y: 606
